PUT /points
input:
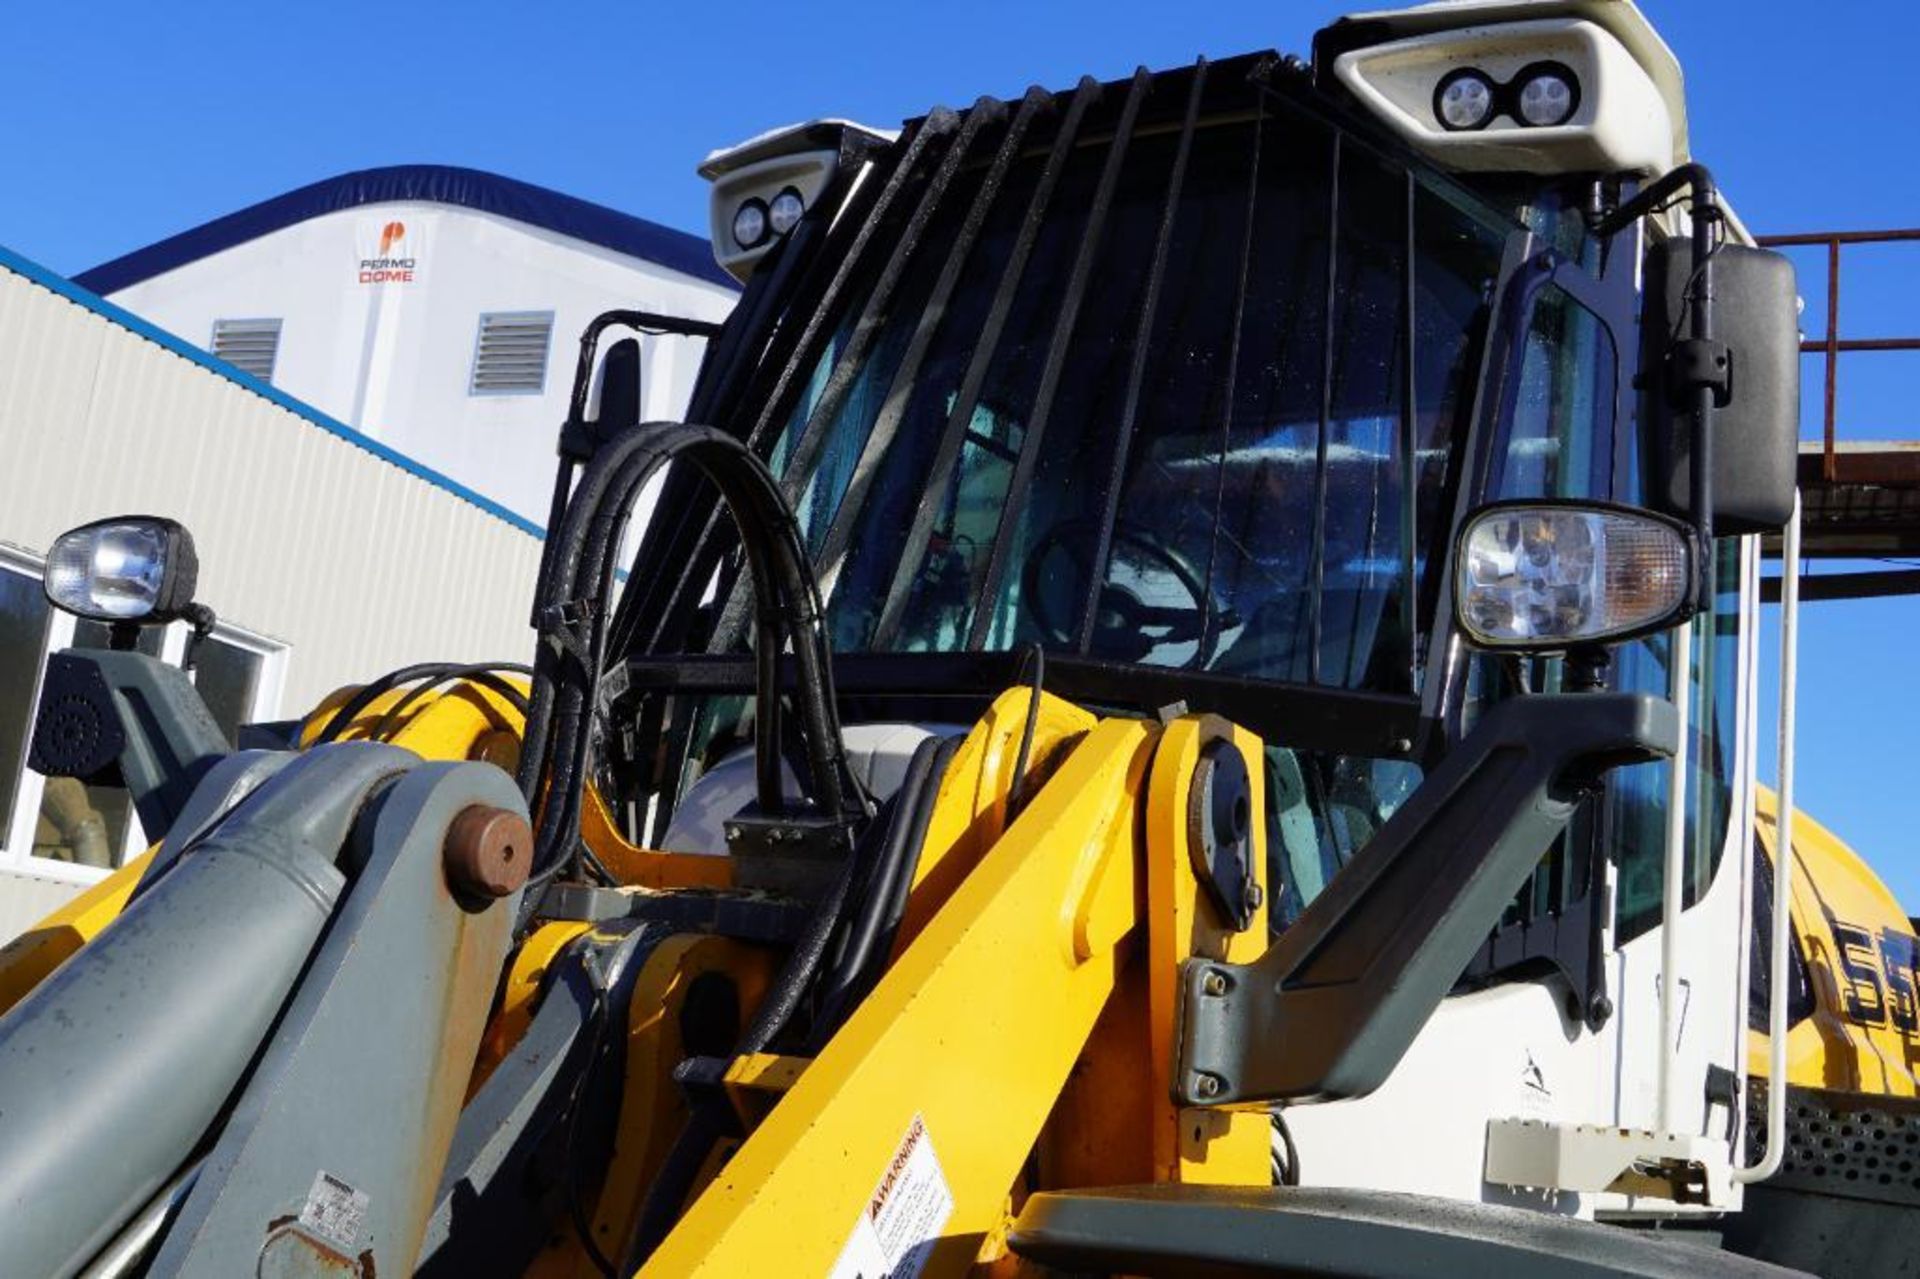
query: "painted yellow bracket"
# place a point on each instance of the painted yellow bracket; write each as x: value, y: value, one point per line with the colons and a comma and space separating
x: 969, y: 1038
x: 971, y: 812
x: 1215, y: 1147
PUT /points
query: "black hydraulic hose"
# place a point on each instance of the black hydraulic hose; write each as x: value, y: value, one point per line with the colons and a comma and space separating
x: 566, y: 539
x: 895, y: 907
x: 338, y: 721
x: 555, y: 696
x: 1017, y: 792
x: 594, y: 561
x: 573, y: 451
x: 768, y: 784
x: 556, y: 512
x: 872, y: 928
x: 485, y: 674
x: 575, y: 627
x: 1288, y: 1173
x: 796, y: 975
x: 435, y: 673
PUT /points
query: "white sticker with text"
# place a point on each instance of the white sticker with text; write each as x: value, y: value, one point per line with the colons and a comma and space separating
x: 895, y: 1234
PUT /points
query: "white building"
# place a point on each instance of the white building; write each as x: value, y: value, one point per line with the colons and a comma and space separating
x: 436, y: 310
x: 350, y: 394
x: 329, y: 557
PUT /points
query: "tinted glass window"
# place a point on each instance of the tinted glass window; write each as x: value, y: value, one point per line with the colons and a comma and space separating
x: 1321, y: 810
x: 1637, y: 796
x: 1556, y: 440
x: 1252, y: 470
x: 1760, y: 955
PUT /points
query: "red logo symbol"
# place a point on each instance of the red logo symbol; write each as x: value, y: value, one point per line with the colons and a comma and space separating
x: 391, y: 234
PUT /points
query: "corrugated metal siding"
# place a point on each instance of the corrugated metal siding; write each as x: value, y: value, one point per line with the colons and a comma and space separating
x: 26, y: 899
x: 304, y: 536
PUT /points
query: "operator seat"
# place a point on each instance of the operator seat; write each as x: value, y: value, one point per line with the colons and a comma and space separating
x: 877, y: 754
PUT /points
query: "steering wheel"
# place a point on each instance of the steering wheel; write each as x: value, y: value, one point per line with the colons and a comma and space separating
x: 1121, y: 617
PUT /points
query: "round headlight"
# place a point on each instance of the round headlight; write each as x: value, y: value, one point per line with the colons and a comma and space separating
x: 1463, y: 100
x: 750, y: 224
x: 1547, y: 95
x: 785, y: 211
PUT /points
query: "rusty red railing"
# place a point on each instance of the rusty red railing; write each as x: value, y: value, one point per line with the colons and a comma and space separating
x: 1830, y: 343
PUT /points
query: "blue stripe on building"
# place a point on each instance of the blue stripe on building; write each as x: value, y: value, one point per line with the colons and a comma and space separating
x: 74, y: 293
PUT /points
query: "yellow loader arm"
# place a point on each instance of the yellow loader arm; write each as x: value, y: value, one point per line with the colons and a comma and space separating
x: 937, y: 1092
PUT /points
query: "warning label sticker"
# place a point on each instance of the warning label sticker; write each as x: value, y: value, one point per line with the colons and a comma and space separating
x: 894, y: 1237
x: 335, y: 1211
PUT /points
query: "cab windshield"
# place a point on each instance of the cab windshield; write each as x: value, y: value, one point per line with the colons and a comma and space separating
x: 1155, y: 384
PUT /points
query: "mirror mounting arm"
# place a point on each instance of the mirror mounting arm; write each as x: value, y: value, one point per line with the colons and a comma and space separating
x: 1702, y: 363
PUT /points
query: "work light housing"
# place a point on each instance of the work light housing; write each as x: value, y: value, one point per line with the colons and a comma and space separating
x: 1546, y: 576
x: 136, y: 569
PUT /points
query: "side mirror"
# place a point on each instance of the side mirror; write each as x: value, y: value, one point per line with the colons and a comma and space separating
x: 1756, y: 422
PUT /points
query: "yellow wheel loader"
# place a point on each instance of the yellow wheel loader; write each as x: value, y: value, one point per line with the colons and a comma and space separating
x: 1186, y: 706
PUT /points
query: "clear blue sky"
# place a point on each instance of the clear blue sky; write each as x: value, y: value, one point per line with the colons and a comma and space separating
x: 121, y: 123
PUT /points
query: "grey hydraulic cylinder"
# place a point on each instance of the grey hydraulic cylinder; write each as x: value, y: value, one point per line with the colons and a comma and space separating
x: 113, y: 1069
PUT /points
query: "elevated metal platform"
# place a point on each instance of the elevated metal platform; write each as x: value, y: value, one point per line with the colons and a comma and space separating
x: 1865, y: 505
x: 1859, y: 500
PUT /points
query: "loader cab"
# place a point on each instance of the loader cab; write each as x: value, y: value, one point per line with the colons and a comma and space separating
x: 1185, y: 380
x: 1181, y: 390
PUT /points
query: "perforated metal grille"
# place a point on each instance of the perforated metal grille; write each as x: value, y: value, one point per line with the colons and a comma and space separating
x: 1844, y: 1144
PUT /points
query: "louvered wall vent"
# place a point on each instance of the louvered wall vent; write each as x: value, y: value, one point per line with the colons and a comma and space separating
x: 510, y: 353
x: 249, y: 345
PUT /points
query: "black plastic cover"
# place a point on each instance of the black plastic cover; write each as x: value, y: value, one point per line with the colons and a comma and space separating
x: 1221, y: 1231
x: 1757, y: 432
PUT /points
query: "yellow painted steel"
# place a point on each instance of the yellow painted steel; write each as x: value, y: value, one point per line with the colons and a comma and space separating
x: 520, y: 994
x: 461, y: 721
x: 1859, y: 946
x: 644, y: 867
x: 970, y: 1035
x: 27, y: 960
x: 652, y: 1107
x: 756, y: 1081
x: 1215, y: 1147
x: 971, y: 812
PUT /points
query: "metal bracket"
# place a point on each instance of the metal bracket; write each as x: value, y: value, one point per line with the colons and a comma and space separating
x: 788, y: 852
x: 1694, y: 364
x: 126, y: 719
x: 1592, y: 1158
x: 1332, y: 1006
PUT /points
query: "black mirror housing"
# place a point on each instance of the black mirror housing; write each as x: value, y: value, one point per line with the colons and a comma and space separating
x: 1756, y: 426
